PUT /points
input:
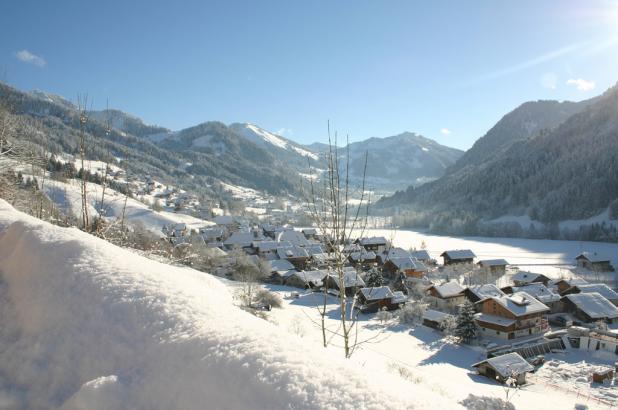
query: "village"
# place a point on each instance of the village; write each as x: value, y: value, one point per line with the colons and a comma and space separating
x: 515, y: 325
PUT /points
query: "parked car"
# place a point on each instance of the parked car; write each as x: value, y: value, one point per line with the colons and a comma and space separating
x: 561, y: 320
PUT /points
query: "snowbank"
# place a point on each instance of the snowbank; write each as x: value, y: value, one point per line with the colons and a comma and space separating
x: 85, y: 324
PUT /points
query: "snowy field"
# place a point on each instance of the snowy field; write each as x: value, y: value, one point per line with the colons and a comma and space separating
x: 88, y: 325
x: 67, y: 196
x: 550, y: 257
x: 423, y: 358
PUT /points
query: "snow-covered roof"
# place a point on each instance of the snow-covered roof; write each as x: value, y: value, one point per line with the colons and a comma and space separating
x: 280, y: 265
x: 449, y: 289
x: 435, y: 315
x: 393, y: 253
x: 594, y: 305
x: 375, y: 240
x: 492, y: 262
x: 601, y: 288
x: 399, y: 297
x: 526, y: 277
x: 408, y: 263
x: 224, y: 220
x: 459, y: 254
x: 243, y: 239
x: 510, y: 364
x: 538, y: 291
x: 310, y: 231
x: 521, y: 303
x: 382, y: 292
x: 363, y: 256
x: 295, y: 237
x: 314, y: 249
x: 311, y: 276
x: 350, y: 278
x: 264, y: 246
x: 486, y: 291
x: 593, y: 257
x: 421, y: 255
x: 286, y: 252
x: 493, y: 319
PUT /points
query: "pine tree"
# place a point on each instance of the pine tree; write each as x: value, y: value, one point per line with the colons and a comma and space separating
x: 466, y: 328
x: 375, y: 279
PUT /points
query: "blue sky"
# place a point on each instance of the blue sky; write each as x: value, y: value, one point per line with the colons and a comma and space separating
x: 445, y: 69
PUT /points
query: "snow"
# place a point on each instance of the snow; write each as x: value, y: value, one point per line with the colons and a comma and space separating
x: 594, y: 305
x: 509, y: 363
x: 460, y: 254
x: 67, y: 196
x: 521, y: 303
x: 449, y: 289
x: 86, y: 324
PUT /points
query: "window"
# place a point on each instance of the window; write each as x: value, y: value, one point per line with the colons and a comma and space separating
x: 497, y: 332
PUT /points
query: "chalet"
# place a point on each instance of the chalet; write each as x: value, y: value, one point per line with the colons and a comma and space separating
x: 227, y: 221
x: 363, y: 258
x: 280, y: 270
x: 268, y: 249
x: 422, y: 255
x: 590, y: 307
x: 476, y: 293
x: 513, y: 316
x: 322, y: 260
x: 541, y: 293
x: 594, y: 262
x: 435, y: 319
x: 563, y: 285
x: 446, y: 296
x: 493, y: 266
x: 374, y: 299
x: 601, y: 288
x: 376, y: 243
x: 314, y: 249
x: 212, y: 234
x: 594, y: 340
x: 408, y: 267
x: 501, y: 368
x: 522, y: 278
x: 392, y: 253
x: 351, y: 280
x: 310, y: 233
x: 243, y: 240
x: 294, y: 237
x: 458, y: 256
x: 295, y: 254
x: 307, y: 279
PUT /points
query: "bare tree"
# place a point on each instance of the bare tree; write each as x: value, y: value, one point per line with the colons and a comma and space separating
x: 340, y: 221
x: 82, y: 106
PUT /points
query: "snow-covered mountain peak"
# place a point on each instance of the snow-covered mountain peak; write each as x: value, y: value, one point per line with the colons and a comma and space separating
x: 267, y: 139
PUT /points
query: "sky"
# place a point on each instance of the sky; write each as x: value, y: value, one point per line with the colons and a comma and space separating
x: 448, y: 70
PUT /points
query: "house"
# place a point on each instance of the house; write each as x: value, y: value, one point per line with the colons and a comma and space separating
x: 563, y: 285
x: 493, y: 266
x: 422, y: 255
x: 307, y: 279
x: 375, y: 243
x: 297, y: 255
x: 268, y: 249
x: 590, y: 307
x: 501, y: 368
x: 458, y: 256
x: 351, y: 280
x: 296, y: 238
x: 512, y: 316
x: 476, y: 293
x: 594, y: 262
x: 447, y: 296
x: 310, y: 233
x: 363, y: 258
x: 392, y: 253
x: 243, y: 240
x: 408, y: 267
x: 522, y: 278
x: 211, y: 235
x: 322, y: 260
x: 374, y: 299
x: 280, y: 270
x: 541, y: 293
x: 601, y: 288
x: 434, y: 318
x: 594, y: 340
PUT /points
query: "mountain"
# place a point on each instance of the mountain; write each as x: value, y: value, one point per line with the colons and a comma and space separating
x: 126, y: 122
x: 550, y: 162
x: 398, y: 161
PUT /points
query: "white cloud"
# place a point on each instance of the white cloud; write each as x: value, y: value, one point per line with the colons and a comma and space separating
x: 30, y: 58
x: 581, y: 84
x: 549, y: 80
x: 445, y: 131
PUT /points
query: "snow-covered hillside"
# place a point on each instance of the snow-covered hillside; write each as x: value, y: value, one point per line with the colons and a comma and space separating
x: 267, y: 139
x: 88, y: 325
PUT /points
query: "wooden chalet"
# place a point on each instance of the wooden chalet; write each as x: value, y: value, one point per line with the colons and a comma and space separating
x: 407, y: 267
x: 590, y: 307
x: 297, y: 255
x: 351, y: 280
x: 458, y: 256
x: 594, y: 262
x: 493, y: 266
x: 376, y: 243
x: 374, y: 299
x: 447, y: 296
x: 513, y: 316
x: 522, y: 278
x: 501, y: 368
